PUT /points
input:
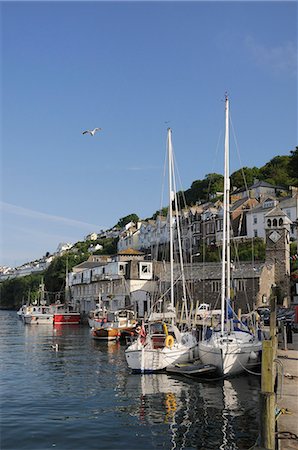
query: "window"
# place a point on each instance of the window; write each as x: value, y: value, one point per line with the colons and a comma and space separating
x: 121, y: 269
x: 241, y: 285
x: 269, y: 223
x: 255, y: 233
x: 255, y: 220
x: 275, y: 222
x: 215, y: 286
x: 280, y: 222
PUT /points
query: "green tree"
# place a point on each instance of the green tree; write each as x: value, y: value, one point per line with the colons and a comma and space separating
x: 125, y: 220
x: 245, y: 175
x: 17, y: 291
x: 276, y: 171
x: 293, y: 166
x: 202, y: 190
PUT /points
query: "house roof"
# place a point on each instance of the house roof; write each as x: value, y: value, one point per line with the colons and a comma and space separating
x: 130, y: 251
x: 243, y: 201
x: 212, y: 271
x: 88, y: 265
x: 256, y: 185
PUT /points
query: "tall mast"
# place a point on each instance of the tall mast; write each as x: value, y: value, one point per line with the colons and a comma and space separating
x: 171, y: 198
x: 225, y: 274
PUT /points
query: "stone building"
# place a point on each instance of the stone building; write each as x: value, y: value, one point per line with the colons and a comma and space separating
x: 277, y: 228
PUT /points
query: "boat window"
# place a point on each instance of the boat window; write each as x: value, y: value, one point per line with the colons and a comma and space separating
x: 156, y: 328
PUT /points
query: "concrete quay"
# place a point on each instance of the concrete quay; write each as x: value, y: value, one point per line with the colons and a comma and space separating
x: 287, y: 396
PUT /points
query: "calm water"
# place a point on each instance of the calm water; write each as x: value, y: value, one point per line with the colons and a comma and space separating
x: 84, y: 397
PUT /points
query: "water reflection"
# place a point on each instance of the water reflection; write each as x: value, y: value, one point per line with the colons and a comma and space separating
x: 85, y: 396
x: 201, y: 415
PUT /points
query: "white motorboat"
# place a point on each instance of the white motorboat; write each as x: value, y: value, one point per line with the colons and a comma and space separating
x: 38, y: 315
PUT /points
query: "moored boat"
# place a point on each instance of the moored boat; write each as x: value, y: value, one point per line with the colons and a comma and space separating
x: 97, y: 316
x: 232, y: 348
x: 115, y: 325
x: 64, y: 315
x: 38, y: 315
x: 160, y: 343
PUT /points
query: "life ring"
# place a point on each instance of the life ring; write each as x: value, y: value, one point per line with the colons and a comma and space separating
x: 169, y: 341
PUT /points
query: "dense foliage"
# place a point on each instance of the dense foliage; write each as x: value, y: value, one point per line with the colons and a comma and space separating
x: 250, y: 250
x: 125, y: 220
x: 279, y: 171
x: 17, y: 291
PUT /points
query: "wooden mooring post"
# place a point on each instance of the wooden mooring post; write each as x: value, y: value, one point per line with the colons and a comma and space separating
x: 267, y: 396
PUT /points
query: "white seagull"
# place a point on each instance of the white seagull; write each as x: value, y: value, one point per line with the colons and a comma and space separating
x: 92, y: 132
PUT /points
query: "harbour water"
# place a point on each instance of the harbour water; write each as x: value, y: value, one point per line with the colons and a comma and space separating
x: 80, y: 395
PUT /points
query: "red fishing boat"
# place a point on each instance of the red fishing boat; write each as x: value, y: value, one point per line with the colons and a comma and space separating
x: 64, y: 315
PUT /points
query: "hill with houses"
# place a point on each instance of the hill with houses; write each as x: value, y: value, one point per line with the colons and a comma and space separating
x: 200, y: 220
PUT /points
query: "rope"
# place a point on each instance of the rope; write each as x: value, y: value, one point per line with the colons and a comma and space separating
x: 286, y: 435
x: 249, y: 371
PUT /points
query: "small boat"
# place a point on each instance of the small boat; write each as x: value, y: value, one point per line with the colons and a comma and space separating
x: 97, y: 316
x: 22, y: 311
x: 193, y: 369
x: 64, y: 315
x: 115, y: 325
x: 38, y: 315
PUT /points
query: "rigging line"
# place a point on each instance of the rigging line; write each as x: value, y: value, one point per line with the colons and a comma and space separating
x: 163, y: 180
x: 244, y: 179
x: 216, y: 155
x: 238, y: 154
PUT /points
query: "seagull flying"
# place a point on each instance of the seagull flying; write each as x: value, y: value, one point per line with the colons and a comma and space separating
x: 91, y: 132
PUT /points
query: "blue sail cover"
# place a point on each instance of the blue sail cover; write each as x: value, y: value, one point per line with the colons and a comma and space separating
x: 229, y: 313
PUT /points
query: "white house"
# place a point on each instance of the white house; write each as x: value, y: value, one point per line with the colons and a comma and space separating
x: 255, y: 218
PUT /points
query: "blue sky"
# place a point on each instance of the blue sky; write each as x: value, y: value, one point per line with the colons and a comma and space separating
x: 129, y: 67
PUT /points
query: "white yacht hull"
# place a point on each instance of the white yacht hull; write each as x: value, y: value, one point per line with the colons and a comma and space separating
x: 143, y: 357
x: 230, y: 356
x: 153, y: 360
x: 38, y: 319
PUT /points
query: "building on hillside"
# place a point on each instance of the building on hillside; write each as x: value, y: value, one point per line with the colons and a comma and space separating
x: 239, y: 211
x: 290, y: 206
x: 258, y: 190
x: 63, y: 247
x: 94, y: 248
x: 255, y: 219
x: 91, y: 237
x: 122, y: 281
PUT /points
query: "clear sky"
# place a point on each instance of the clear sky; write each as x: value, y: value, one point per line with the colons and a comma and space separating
x: 129, y: 67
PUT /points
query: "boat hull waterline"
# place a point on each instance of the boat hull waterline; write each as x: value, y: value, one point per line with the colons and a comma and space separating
x: 230, y: 358
x: 158, y: 359
x: 67, y: 319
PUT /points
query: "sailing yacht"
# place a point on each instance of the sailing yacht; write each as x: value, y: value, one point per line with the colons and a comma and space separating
x: 160, y: 343
x: 233, y: 347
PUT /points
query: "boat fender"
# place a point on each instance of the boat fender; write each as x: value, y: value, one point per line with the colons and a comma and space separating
x: 253, y: 356
x: 165, y: 329
x: 169, y: 341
